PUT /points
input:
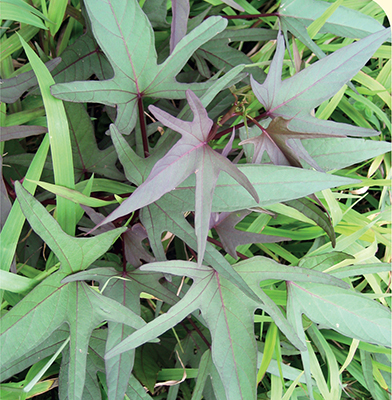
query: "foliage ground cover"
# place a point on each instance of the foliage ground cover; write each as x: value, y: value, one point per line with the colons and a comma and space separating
x: 195, y: 200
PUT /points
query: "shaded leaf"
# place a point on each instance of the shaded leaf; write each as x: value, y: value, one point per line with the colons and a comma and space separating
x: 13, y: 88
x: 220, y: 54
x: 156, y: 12
x: 87, y: 157
x: 20, y: 131
x: 134, y: 251
x: 224, y: 224
x: 5, y: 203
x: 313, y: 212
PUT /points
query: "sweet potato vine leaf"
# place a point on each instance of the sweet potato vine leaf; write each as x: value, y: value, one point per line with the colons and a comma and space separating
x: 294, y: 98
x: 125, y: 288
x: 224, y: 224
x: 125, y: 35
x: 282, y: 145
x: 191, y: 154
x: 341, y: 309
x: 223, y: 305
x: 53, y: 303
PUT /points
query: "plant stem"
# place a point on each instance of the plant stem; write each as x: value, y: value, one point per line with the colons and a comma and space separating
x: 142, y: 125
x: 251, y: 16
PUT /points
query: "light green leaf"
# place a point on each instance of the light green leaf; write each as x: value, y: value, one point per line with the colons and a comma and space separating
x: 60, y: 143
x: 120, y: 41
x: 74, y: 254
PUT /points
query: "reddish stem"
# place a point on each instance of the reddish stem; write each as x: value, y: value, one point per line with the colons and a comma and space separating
x: 142, y: 125
x: 228, y: 130
x: 250, y: 16
x: 196, y: 328
x: 218, y: 243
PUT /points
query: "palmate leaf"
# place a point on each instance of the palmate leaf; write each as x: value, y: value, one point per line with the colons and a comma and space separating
x: 52, y: 304
x: 191, y: 154
x: 96, y: 363
x: 294, y: 98
x: 341, y: 309
x: 124, y: 287
x: 282, y: 144
x: 126, y: 37
x: 273, y: 185
x: 222, y: 305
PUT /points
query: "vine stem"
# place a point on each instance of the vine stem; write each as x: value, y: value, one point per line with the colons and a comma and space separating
x: 142, y: 125
x: 250, y: 16
x: 228, y: 130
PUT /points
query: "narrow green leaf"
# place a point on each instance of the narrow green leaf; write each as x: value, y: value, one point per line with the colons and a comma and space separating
x: 14, y: 283
x: 56, y: 13
x: 60, y: 143
x: 18, y: 10
x: 268, y: 351
x: 74, y: 195
x: 12, y: 44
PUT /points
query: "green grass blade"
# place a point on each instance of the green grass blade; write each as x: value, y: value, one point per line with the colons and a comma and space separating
x: 13, y: 44
x: 56, y: 13
x: 317, y: 24
x: 268, y: 351
x: 60, y: 143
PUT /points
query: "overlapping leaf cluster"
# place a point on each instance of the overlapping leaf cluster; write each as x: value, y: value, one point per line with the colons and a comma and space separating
x: 175, y: 237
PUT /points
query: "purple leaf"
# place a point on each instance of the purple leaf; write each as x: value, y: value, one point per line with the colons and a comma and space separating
x: 13, y: 88
x: 191, y: 154
x: 224, y: 224
x: 180, y: 9
x: 20, y: 131
x: 282, y: 144
x: 295, y: 98
x: 134, y: 251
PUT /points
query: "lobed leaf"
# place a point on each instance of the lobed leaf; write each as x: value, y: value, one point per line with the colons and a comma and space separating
x: 294, y: 98
x: 120, y: 40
